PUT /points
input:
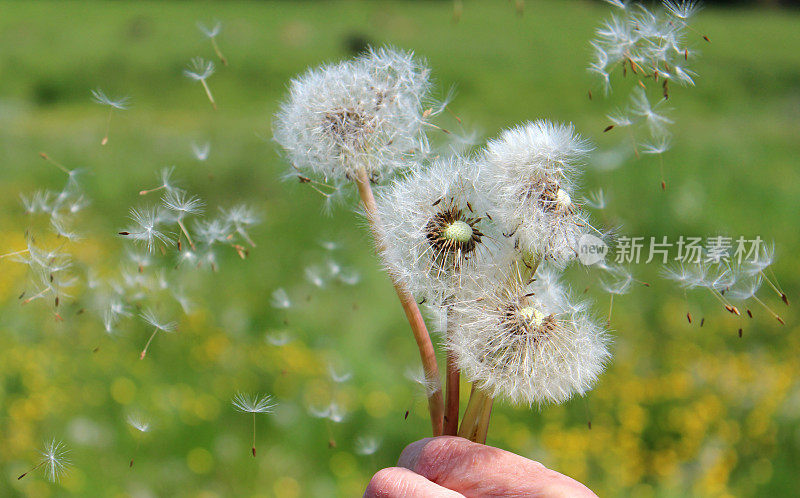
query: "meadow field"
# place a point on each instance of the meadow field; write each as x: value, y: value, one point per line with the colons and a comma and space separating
x: 683, y: 410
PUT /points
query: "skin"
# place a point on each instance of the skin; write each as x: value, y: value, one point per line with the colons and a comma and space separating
x: 450, y: 466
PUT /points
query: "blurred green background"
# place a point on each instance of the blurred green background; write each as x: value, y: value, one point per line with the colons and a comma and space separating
x: 683, y: 410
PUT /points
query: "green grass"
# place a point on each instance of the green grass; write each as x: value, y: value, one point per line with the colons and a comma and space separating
x: 683, y: 410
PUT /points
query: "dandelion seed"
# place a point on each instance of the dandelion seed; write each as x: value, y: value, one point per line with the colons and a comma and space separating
x: 145, y: 229
x: 596, y: 199
x: 337, y: 377
x: 120, y: 103
x: 279, y: 339
x: 182, y: 205
x: 200, y: 69
x: 314, y: 276
x: 166, y: 181
x: 682, y: 9
x: 254, y: 404
x: 366, y: 445
x: 54, y: 461
x: 159, y: 325
x: 201, y: 151
x: 211, y: 34
x: 349, y: 277
x: 241, y: 217
x: 280, y: 299
x: 142, y: 425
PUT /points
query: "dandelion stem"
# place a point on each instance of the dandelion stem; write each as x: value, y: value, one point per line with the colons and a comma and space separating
x: 218, y: 52
x: 421, y: 335
x: 108, y: 126
x: 13, y: 253
x: 145, y: 192
x: 452, y: 386
x: 774, y: 287
x: 28, y: 472
x: 774, y: 315
x: 254, y: 434
x: 144, y: 351
x: 35, y: 296
x: 208, y: 92
x: 55, y: 163
x: 186, y: 233
x: 475, y: 424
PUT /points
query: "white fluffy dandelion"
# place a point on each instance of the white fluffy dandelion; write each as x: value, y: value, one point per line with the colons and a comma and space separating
x: 360, y: 114
x: 211, y: 33
x: 529, y: 176
x: 528, y: 344
x: 145, y: 229
x: 431, y: 227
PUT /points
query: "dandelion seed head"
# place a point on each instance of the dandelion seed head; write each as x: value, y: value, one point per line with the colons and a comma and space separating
x: 363, y: 113
x: 431, y: 228
x: 527, y: 344
x: 211, y: 32
x: 529, y: 176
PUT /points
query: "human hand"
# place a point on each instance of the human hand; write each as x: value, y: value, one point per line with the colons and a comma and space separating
x: 450, y: 466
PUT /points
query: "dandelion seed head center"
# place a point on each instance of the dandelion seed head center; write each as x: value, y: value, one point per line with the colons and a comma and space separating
x: 458, y: 231
x: 450, y: 232
x: 346, y: 124
x: 532, y: 315
x: 563, y: 200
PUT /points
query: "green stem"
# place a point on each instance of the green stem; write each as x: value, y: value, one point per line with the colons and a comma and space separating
x: 475, y: 424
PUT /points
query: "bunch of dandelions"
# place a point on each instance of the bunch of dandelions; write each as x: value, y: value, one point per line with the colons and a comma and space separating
x: 54, y: 461
x: 363, y: 121
x: 254, y: 404
x: 651, y: 46
x: 468, y: 234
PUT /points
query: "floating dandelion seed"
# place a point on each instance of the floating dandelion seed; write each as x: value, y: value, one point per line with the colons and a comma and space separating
x: 314, y: 275
x: 120, y: 103
x: 254, y: 404
x: 280, y: 299
x: 366, y: 445
x: 151, y: 319
x: 142, y: 425
x: 211, y: 34
x: 146, y: 228
x: 337, y: 377
x: 200, y: 69
x: 201, y: 151
x: 241, y: 217
x: 182, y: 205
x: 165, y: 175
x: 54, y: 461
x: 331, y: 413
x: 279, y: 339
